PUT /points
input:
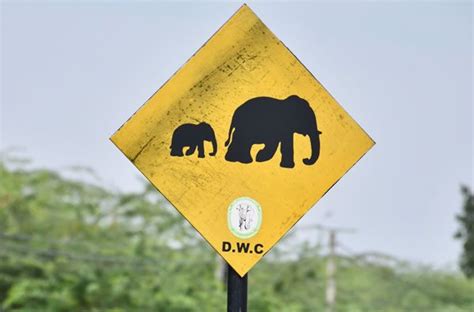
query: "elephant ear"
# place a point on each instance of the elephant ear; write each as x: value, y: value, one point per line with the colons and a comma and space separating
x: 204, y: 124
x: 294, y: 99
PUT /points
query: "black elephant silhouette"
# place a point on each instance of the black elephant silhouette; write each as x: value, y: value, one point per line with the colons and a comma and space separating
x: 270, y: 121
x: 192, y: 136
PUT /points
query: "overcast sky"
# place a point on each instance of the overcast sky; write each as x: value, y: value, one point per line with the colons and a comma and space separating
x: 73, y: 72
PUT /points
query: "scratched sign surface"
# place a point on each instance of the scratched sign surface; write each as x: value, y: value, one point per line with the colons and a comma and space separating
x: 242, y: 140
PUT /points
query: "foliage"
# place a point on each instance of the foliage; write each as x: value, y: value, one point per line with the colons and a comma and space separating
x: 68, y: 245
x: 466, y: 232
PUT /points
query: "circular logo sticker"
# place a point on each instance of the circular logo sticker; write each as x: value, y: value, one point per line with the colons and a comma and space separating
x: 244, y: 217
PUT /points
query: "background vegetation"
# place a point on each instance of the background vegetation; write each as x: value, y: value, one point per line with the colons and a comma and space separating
x: 69, y: 245
x: 466, y: 232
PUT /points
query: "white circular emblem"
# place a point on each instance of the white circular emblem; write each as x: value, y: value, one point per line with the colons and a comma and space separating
x: 244, y: 217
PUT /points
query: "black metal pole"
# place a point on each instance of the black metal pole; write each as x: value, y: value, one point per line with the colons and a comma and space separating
x: 236, y: 291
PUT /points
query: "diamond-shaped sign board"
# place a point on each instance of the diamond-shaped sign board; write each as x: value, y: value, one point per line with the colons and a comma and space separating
x: 242, y: 140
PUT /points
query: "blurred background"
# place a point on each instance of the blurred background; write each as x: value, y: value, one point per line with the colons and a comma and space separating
x: 81, y: 230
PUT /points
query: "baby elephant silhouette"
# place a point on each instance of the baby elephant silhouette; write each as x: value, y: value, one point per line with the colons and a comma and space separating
x: 192, y: 136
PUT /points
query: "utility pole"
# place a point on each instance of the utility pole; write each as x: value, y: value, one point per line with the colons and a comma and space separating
x: 331, y: 273
x: 331, y: 265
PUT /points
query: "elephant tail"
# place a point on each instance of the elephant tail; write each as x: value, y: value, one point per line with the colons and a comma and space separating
x: 230, y: 134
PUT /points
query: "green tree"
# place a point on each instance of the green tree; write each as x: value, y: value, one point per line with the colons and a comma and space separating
x: 68, y: 245
x: 466, y: 232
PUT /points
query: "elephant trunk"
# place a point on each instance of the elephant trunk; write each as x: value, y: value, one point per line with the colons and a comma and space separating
x: 214, y: 146
x: 315, y: 146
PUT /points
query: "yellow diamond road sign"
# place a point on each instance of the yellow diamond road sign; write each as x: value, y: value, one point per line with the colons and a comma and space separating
x: 242, y: 140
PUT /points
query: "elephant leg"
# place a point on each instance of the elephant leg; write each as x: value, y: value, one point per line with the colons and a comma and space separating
x: 287, y: 157
x: 230, y: 155
x: 239, y: 150
x: 267, y: 152
x: 200, y: 148
x: 191, y: 150
x: 177, y: 151
x: 244, y: 154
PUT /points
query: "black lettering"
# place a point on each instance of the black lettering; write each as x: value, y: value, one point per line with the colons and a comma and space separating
x: 226, y: 246
x: 243, y: 247
x: 258, y: 248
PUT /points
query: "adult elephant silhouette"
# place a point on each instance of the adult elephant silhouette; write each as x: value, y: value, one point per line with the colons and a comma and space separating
x: 192, y: 136
x: 273, y: 122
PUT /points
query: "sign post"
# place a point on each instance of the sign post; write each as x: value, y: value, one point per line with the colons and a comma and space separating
x: 242, y: 140
x: 236, y: 291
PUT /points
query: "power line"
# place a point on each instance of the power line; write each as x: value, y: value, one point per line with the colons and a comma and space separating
x: 22, y: 247
x: 69, y: 242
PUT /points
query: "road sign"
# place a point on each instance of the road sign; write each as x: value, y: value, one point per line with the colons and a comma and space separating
x: 242, y: 140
